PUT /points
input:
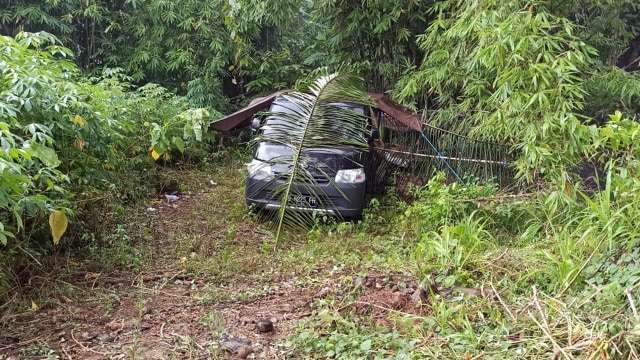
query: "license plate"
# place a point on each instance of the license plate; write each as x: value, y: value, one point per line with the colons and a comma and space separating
x: 304, y: 201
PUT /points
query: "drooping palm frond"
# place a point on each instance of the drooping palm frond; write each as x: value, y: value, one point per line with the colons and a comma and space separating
x: 301, y: 124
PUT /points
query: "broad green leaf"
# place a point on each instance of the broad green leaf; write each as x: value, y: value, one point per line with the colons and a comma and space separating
x: 45, y: 154
x: 179, y: 143
x: 365, y: 345
x: 197, y: 130
x: 4, y: 235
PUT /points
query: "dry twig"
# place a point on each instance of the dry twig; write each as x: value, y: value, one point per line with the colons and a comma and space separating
x: 545, y: 325
x: 502, y: 303
x: 84, y: 347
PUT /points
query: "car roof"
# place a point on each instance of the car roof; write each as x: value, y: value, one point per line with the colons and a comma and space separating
x: 283, y: 100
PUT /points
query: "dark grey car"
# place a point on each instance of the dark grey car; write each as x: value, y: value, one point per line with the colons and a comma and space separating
x: 339, y: 180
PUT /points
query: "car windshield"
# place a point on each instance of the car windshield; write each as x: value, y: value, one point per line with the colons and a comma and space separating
x: 283, y: 106
x: 272, y: 152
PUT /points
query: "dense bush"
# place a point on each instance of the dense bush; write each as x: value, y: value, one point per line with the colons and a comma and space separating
x: 65, y: 136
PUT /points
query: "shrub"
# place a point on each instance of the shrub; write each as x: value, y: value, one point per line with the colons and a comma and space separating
x: 64, y: 137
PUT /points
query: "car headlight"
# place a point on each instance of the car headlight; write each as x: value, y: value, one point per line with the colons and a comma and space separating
x: 350, y: 176
x: 260, y: 170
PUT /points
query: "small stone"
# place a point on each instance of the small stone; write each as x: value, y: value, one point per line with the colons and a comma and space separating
x: 378, y: 285
x: 233, y: 345
x: 360, y: 282
x: 113, y: 326
x: 420, y: 296
x: 244, y: 352
x: 397, y: 300
x: 171, y: 198
x: 323, y: 293
x: 87, y: 336
x: 264, y: 326
x: 178, y: 282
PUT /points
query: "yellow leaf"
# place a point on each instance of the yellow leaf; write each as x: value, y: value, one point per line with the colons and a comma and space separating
x: 79, y: 120
x: 34, y: 306
x: 58, y: 223
x: 154, y: 154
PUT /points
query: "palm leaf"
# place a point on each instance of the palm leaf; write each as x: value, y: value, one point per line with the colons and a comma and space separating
x: 309, y: 122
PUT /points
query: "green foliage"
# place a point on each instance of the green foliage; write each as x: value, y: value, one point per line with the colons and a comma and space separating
x: 496, y: 266
x: 451, y: 251
x: 609, y: 26
x: 33, y: 95
x: 373, y: 38
x: 437, y: 203
x: 347, y: 340
x: 555, y: 272
x: 495, y: 70
x: 612, y: 89
x: 63, y: 134
x: 203, y: 48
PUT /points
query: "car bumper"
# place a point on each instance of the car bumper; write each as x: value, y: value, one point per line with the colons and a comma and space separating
x: 343, y: 200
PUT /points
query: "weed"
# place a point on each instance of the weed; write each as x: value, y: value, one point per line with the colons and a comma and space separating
x: 40, y: 350
x: 214, y: 322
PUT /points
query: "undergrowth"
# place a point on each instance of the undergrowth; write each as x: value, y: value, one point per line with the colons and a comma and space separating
x: 526, y: 275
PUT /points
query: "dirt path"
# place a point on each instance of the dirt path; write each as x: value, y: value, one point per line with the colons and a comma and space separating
x: 208, y: 291
x: 197, y: 279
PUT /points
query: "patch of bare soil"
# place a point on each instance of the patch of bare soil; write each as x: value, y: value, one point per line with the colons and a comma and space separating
x: 268, y: 319
x: 382, y: 297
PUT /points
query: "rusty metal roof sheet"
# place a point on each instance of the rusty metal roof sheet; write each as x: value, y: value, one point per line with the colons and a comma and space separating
x: 241, y: 118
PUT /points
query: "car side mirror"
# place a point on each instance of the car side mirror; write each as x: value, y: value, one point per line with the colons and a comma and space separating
x: 255, y: 124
